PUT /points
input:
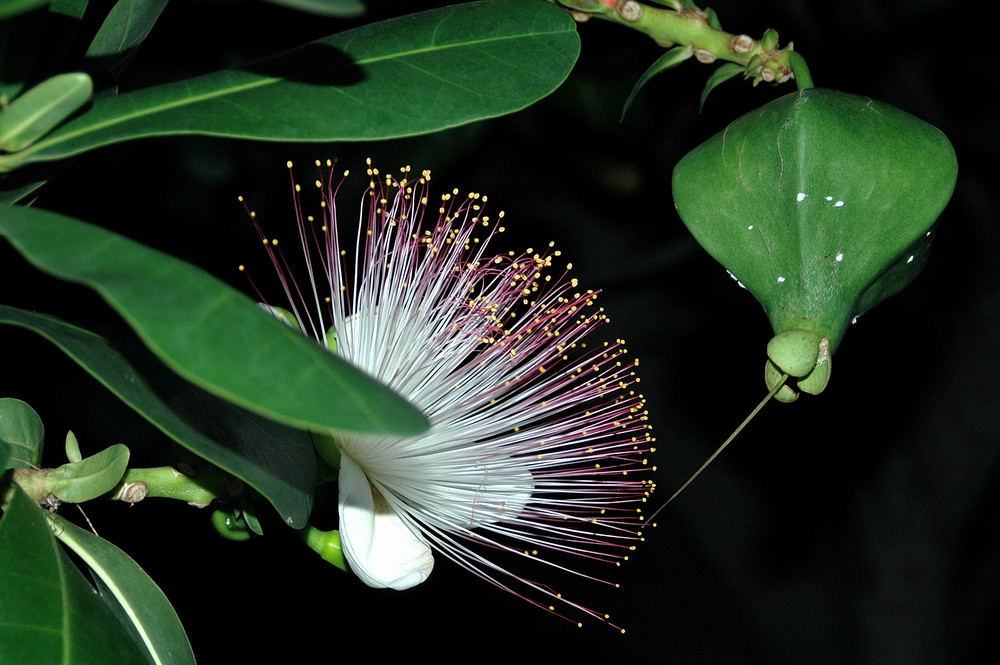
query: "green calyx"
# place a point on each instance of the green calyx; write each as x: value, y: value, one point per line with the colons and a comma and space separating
x: 822, y: 204
x: 326, y: 544
x: 801, y: 354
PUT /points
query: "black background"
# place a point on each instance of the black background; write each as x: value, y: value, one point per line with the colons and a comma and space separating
x: 854, y: 527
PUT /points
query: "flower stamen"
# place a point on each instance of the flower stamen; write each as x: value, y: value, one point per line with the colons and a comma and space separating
x: 538, y: 443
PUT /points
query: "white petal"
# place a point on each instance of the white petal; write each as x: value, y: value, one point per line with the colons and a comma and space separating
x: 379, y: 547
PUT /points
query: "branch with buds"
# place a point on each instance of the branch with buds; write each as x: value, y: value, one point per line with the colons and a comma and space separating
x: 691, y: 32
x: 47, y: 487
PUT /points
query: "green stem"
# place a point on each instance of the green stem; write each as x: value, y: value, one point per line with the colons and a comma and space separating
x: 196, y: 488
x: 696, y: 28
x: 326, y: 544
x: 800, y: 70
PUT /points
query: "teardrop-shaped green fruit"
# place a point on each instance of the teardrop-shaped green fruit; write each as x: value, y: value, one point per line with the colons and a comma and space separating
x: 821, y: 204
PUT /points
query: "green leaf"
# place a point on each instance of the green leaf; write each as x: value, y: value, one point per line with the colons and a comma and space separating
x: 335, y: 8
x: 277, y: 462
x: 713, y: 18
x: 124, y: 29
x: 143, y: 603
x: 821, y: 204
x: 89, y: 478
x: 10, y: 8
x: 721, y: 74
x: 208, y: 332
x: 35, y: 112
x: 18, y: 34
x: 49, y: 613
x: 20, y: 187
x: 412, y: 75
x: 250, y: 517
x: 22, y: 430
x: 36, y: 43
x: 668, y: 60
x: 72, y: 8
x: 72, y: 448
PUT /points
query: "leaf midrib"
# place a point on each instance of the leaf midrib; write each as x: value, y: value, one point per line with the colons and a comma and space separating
x: 120, y: 596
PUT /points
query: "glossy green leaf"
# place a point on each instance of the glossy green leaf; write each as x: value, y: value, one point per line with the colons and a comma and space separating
x: 668, y: 60
x: 49, y: 613
x: 250, y: 517
x: 35, y: 112
x: 22, y: 430
x: 335, y: 8
x: 721, y: 74
x: 276, y: 461
x: 208, y: 332
x: 72, y: 8
x: 821, y: 203
x: 144, y: 605
x: 89, y: 478
x: 37, y: 43
x: 17, y: 189
x: 416, y: 74
x: 20, y: 33
x: 10, y: 8
x: 123, y: 30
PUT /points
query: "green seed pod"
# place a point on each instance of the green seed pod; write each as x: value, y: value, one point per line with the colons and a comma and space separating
x: 821, y: 204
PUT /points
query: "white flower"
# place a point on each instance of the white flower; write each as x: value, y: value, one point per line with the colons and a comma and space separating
x: 538, y: 440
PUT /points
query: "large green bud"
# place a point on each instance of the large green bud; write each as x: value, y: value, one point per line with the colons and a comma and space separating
x: 821, y: 204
